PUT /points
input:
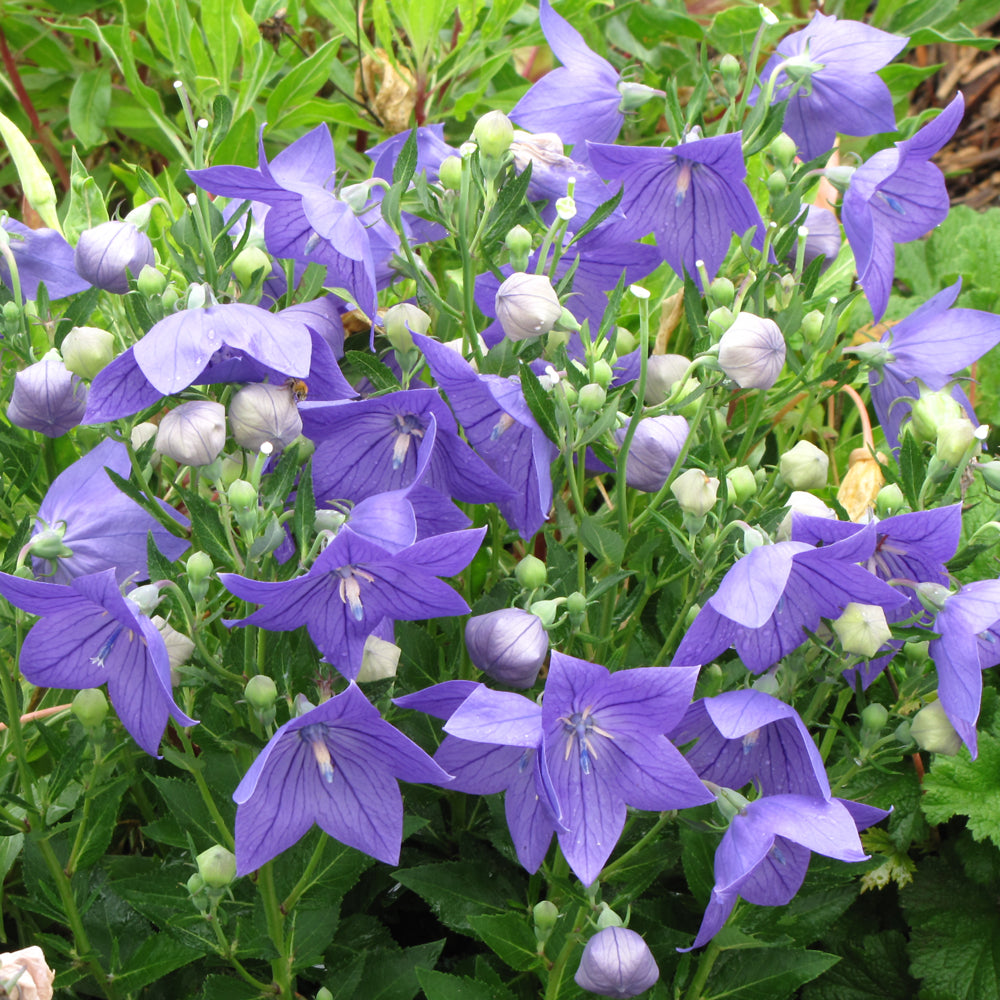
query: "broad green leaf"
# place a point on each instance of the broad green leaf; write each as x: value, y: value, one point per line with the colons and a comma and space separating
x: 219, y: 20
x: 962, y: 786
x: 153, y: 959
x: 442, y: 986
x: 602, y: 541
x: 86, y: 202
x: 368, y: 365
x: 300, y: 83
x: 89, y: 104
x: 540, y: 403
x: 510, y: 937
x: 765, y: 973
x: 873, y: 969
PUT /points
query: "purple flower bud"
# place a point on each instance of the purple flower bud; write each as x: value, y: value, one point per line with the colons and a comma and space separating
x: 752, y: 352
x: 527, y: 306
x: 617, y: 963
x: 509, y: 645
x: 261, y: 412
x: 655, y: 447
x: 194, y: 433
x: 47, y: 397
x: 106, y: 254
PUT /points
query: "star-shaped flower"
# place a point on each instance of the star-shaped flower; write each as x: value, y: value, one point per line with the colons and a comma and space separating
x: 42, y: 257
x: 844, y: 92
x: 896, y: 197
x: 89, y: 635
x: 336, y: 765
x: 692, y: 197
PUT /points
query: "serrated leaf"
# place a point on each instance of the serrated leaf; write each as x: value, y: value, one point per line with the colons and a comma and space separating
x: 510, y: 200
x: 377, y: 373
x: 911, y: 469
x: 540, y: 403
x: 509, y: 937
x: 208, y: 533
x: 602, y: 541
x: 962, y: 786
x: 227, y: 988
x: 442, y: 986
x: 602, y: 212
x: 392, y: 975
x: 153, y: 959
x: 765, y: 973
x: 875, y: 970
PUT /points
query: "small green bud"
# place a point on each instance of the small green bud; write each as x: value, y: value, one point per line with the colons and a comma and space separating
x: 889, y: 500
x: 931, y: 412
x: 608, y: 918
x: 493, y: 134
x: 603, y: 373
x: 379, y: 660
x: 403, y: 319
x: 217, y: 867
x: 695, y: 492
x: 955, y: 440
x: 720, y: 320
x: 783, y: 150
x: 11, y: 313
x: 804, y: 467
x: 250, y: 264
x: 742, y: 483
x: 531, y: 573
x: 196, y: 888
x: 635, y: 95
x: 545, y: 915
x: 874, y: 717
x: 777, y: 183
x: 199, y: 567
x: 450, y: 173
x: 862, y: 629
x: 169, y: 299
x: 711, y: 680
x: 576, y: 603
x: 625, y: 341
x: 547, y: 610
x: 722, y: 292
x: 323, y: 994
x: 729, y: 69
x: 903, y: 733
x: 592, y: 397
x: 151, y: 282
x: 812, y: 326
x: 261, y: 692
x: 990, y: 473
x: 518, y: 241
x: 730, y: 802
x: 932, y: 731
x: 242, y: 495
x: 90, y: 706
x: 86, y: 350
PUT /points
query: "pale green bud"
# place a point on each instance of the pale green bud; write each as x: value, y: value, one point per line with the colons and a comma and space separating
x: 931, y: 412
x: 400, y: 320
x: 90, y: 706
x: 722, y: 292
x: 261, y: 692
x: 742, y: 484
x: 663, y: 372
x: 804, y: 467
x: 547, y: 610
x: 217, y: 867
x: 955, y: 439
x: 695, y: 491
x: 862, y: 629
x: 592, y: 397
x: 379, y: 660
x: 889, y: 500
x: 250, y: 263
x: 450, y: 173
x: 242, y: 494
x: 531, y: 573
x: 603, y: 373
x: 931, y: 730
x: 783, y: 149
x: 493, y: 134
x: 729, y: 69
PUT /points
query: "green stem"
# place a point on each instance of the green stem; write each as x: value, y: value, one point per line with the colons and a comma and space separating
x: 831, y: 733
x: 281, y: 967
x: 633, y: 424
x: 305, y: 880
x: 708, y: 959
x: 93, y: 781
x: 207, y: 797
x: 558, y: 970
x: 225, y: 950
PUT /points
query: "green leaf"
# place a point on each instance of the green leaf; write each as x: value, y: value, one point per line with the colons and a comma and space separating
x: 510, y: 202
x: 962, y: 786
x: 911, y: 469
x: 402, y: 174
x: 227, y: 988
x: 873, y: 969
x: 101, y: 822
x: 392, y: 975
x: 208, y: 534
x: 89, y: 104
x: 510, y: 937
x: 442, y: 986
x: 601, y: 541
x: 189, y: 811
x: 377, y: 373
x: 602, y: 212
x: 540, y: 403
x: 86, y: 203
x: 305, y: 508
x: 153, y: 959
x: 765, y: 973
x: 458, y: 890
x: 300, y: 83
x: 218, y: 19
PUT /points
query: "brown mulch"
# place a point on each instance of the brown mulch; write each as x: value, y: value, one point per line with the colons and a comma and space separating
x: 972, y: 159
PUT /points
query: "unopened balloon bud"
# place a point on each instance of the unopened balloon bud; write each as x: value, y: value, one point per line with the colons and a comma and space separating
x: 603, y: 373
x: 635, y: 95
x: 379, y: 660
x: 107, y: 254
x: 493, y: 134
x: 955, y: 441
x: 402, y: 320
x: 527, y: 306
x: 250, y: 265
x: 722, y: 292
x: 752, y: 352
x: 261, y: 693
x: 695, y: 491
x: 90, y: 706
x: 663, y: 372
x: 917, y: 652
x: 242, y: 495
x: 531, y: 573
x: 753, y: 538
x: 777, y: 183
x: 729, y: 69
x: 518, y: 243
x: 217, y: 867
x: 720, y: 319
x: 86, y: 350
x: 509, y: 645
x: 547, y: 610
x: 874, y: 718
x: 932, y: 595
x: 47, y: 397
x: 932, y: 730
x: 783, y: 149
x: 741, y: 483
x: 862, y: 629
x: 193, y: 433
x: 608, y: 918
x: 151, y: 282
x: 931, y: 412
x: 262, y: 412
x: 812, y: 326
x: 655, y: 447
x: 592, y: 397
x: 804, y: 467
x: 545, y: 915
x: 617, y: 962
x: 450, y: 173
x: 889, y: 500
x: 576, y: 604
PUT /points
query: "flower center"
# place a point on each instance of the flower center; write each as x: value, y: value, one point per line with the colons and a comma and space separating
x: 350, y: 588
x: 102, y: 653
x: 750, y: 741
x: 581, y: 725
x: 408, y: 425
x: 683, y: 183
x: 315, y: 735
x: 504, y: 422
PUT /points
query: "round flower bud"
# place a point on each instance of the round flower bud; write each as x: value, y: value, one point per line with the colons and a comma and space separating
x: 625, y: 341
x: 518, y: 243
x: 493, y: 134
x: 874, y: 717
x: 917, y: 652
x: 931, y: 411
x: 576, y: 603
x: 603, y: 373
x: 194, y: 433
x: 242, y: 494
x: 990, y: 472
x: 47, y: 397
x: 323, y: 994
x: 889, y: 500
x: 86, y: 350
x: 198, y: 566
x: 527, y: 306
x: 635, y: 95
x: 722, y: 292
x: 617, y: 963
x: 547, y: 610
x: 608, y: 918
x: 151, y: 282
x: 663, y: 372
x: 261, y: 412
x: 804, y: 503
x: 531, y: 573
x: 777, y: 183
x: 931, y: 730
x: 450, y: 173
x: 108, y: 253
x: 401, y: 320
x: 862, y: 629
x: 695, y: 491
x: 261, y: 692
x: 812, y: 325
x: 783, y: 150
x: 379, y: 660
x: 742, y: 484
x: 217, y: 867
x: 249, y: 264
x: 509, y: 645
x: 591, y: 397
x: 655, y: 447
x: 545, y: 914
x: 90, y: 706
x: 720, y: 320
x: 955, y: 438
x: 804, y: 467
x: 729, y: 68
x: 752, y: 352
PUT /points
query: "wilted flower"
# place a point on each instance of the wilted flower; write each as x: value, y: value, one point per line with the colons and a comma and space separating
x: 108, y: 253
x: 193, y: 433
x: 261, y: 412
x: 617, y: 963
x: 48, y: 398
x: 752, y: 352
x: 655, y: 446
x: 31, y: 972
x: 510, y: 645
x: 527, y: 306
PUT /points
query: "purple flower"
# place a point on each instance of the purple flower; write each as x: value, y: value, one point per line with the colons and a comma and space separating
x: 655, y: 447
x: 602, y: 737
x: 307, y: 222
x: 336, y: 765
x: 580, y: 100
x: 509, y: 645
x: 843, y: 92
x: 745, y: 736
x: 48, y: 398
x: 896, y: 197
x: 90, y: 635
x: 822, y: 236
x: 617, y: 963
x: 929, y: 346
x: 752, y: 352
x: 42, y: 257
x: 106, y: 255
x: 355, y: 589
x: 432, y: 150
x: 968, y: 627
x: 692, y: 197
x: 500, y: 426
x: 96, y: 524
x: 769, y: 598
x: 764, y: 855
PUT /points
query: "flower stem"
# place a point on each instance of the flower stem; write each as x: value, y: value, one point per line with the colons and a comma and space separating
x: 708, y: 959
x: 558, y: 970
x: 281, y: 967
x: 206, y: 794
